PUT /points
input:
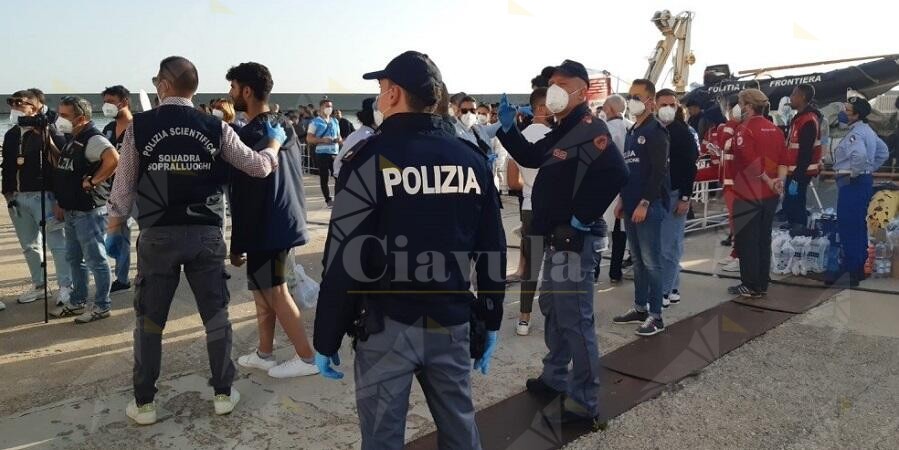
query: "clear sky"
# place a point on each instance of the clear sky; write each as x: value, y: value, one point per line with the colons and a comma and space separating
x: 481, y: 46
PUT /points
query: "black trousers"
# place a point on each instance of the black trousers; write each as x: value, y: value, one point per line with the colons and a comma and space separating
x: 532, y: 254
x: 619, y: 244
x: 162, y: 252
x: 752, y: 225
x: 325, y: 164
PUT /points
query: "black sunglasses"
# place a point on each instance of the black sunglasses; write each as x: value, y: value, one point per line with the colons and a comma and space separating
x: 468, y: 110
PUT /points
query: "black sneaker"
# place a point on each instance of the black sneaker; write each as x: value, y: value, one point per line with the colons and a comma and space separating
x: 329, y: 203
x: 728, y: 242
x: 734, y: 290
x: 746, y: 292
x: 632, y: 316
x: 651, y: 327
x: 537, y: 386
x: 614, y: 280
x: 118, y: 287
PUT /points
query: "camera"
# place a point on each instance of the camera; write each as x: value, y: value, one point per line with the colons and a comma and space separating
x: 38, y: 121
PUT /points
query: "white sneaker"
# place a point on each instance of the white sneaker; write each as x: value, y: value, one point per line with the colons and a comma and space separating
x: 63, y: 295
x: 253, y: 361
x: 523, y: 328
x: 92, y: 313
x: 142, y: 415
x: 2, y: 306
x: 733, y: 266
x: 666, y: 302
x: 674, y: 297
x: 295, y: 367
x: 224, y: 404
x: 725, y: 261
x: 31, y: 296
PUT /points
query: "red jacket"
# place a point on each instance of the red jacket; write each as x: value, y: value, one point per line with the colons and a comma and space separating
x: 807, y: 117
x: 759, y: 146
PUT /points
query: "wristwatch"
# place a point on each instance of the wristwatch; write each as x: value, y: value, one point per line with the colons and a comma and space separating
x: 685, y: 198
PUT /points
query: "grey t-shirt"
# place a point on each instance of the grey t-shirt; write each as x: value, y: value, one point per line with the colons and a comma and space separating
x: 95, y: 148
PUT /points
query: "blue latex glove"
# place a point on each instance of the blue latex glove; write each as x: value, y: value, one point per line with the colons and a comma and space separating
x: 793, y: 188
x: 483, y: 364
x: 577, y: 225
x: 491, y: 158
x: 275, y: 133
x: 527, y: 110
x: 324, y: 366
x: 506, y: 113
x: 114, y: 243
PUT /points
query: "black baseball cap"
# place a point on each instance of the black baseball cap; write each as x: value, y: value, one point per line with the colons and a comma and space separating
x: 414, y: 72
x: 571, y: 69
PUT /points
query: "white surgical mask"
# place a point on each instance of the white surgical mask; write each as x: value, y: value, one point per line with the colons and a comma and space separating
x: 110, y: 110
x: 636, y: 107
x: 218, y: 113
x: 14, y: 115
x: 602, y: 116
x: 64, y: 125
x: 482, y: 119
x: 666, y: 114
x: 469, y: 119
x: 327, y: 111
x: 736, y: 113
x: 379, y: 118
x: 556, y: 99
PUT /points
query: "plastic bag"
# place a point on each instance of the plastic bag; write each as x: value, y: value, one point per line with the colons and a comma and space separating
x: 303, y: 288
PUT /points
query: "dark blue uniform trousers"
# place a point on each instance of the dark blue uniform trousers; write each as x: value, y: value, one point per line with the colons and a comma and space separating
x: 852, y: 208
x: 566, y: 300
x: 440, y: 358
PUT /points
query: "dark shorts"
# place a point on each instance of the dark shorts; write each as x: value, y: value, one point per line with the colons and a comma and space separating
x: 266, y: 270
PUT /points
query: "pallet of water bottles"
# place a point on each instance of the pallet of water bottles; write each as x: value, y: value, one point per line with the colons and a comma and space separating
x: 815, y: 250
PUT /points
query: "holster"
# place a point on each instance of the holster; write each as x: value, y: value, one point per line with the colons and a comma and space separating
x: 367, y: 321
x: 566, y: 238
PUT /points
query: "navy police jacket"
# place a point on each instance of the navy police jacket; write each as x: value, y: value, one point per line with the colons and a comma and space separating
x: 573, y: 181
x: 646, y: 155
x: 414, y: 206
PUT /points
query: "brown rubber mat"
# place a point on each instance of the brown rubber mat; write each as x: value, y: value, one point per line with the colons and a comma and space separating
x: 521, y: 422
x: 789, y: 299
x: 693, y: 343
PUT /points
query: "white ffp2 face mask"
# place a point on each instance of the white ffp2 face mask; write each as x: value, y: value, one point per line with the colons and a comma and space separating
x: 218, y: 113
x: 328, y: 111
x: 468, y: 119
x: 636, y: 107
x: 379, y: 118
x: 667, y: 114
x: 64, y: 125
x: 483, y: 119
x: 14, y: 115
x: 736, y: 113
x: 110, y: 111
x: 556, y: 99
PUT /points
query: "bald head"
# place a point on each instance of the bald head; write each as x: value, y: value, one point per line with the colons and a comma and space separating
x: 614, y: 106
x: 181, y: 74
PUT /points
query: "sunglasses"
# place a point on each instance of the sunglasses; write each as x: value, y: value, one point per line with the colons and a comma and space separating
x: 18, y: 102
x: 468, y: 110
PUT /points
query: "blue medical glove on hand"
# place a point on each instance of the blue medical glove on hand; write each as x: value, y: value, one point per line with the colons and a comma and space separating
x: 506, y: 113
x: 491, y: 159
x: 577, y: 225
x: 526, y: 110
x: 793, y: 189
x: 483, y: 364
x: 275, y: 133
x: 324, y: 366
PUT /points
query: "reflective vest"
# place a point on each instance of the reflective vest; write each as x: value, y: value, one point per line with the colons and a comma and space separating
x: 792, y: 155
x: 710, y: 153
x: 726, y: 132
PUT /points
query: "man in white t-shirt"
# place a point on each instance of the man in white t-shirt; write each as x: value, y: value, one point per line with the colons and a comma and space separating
x: 613, y: 114
x: 531, y: 246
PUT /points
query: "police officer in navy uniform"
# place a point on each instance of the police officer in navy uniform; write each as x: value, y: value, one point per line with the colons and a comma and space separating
x: 174, y: 163
x: 574, y: 187
x: 415, y: 205
x: 855, y: 159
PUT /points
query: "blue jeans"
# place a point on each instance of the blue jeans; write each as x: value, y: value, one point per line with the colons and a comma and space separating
x: 673, y: 234
x: 645, y: 241
x: 26, y: 219
x: 123, y: 257
x: 86, y: 246
x: 566, y: 300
